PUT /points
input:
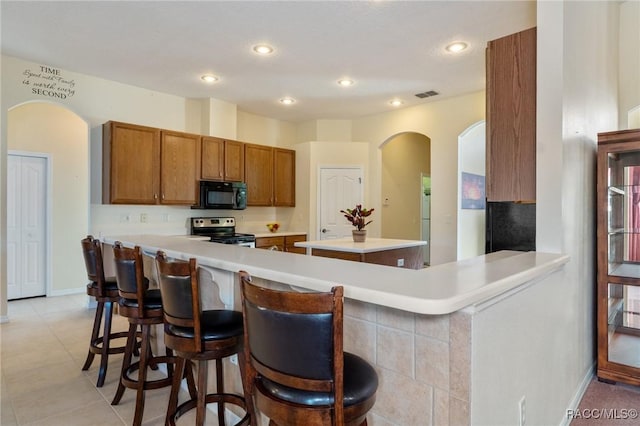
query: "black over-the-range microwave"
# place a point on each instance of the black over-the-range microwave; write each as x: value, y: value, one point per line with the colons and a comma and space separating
x: 222, y: 195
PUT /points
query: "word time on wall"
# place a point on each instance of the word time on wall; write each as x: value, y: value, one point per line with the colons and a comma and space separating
x: 48, y: 82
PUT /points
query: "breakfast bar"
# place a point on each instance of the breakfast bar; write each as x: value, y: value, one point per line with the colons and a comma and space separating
x: 429, y: 332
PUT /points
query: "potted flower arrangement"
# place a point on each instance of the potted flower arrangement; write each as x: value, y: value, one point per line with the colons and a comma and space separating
x: 357, y: 217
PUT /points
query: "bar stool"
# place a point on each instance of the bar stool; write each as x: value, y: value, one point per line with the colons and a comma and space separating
x: 296, y: 369
x: 142, y: 307
x: 197, y: 336
x: 105, y: 291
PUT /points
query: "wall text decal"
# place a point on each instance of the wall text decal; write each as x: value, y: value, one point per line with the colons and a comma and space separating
x: 48, y: 82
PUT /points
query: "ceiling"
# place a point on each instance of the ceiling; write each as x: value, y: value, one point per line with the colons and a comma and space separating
x: 392, y: 49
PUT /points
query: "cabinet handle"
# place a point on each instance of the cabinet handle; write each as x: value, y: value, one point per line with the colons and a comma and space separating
x: 163, y: 195
x: 155, y: 196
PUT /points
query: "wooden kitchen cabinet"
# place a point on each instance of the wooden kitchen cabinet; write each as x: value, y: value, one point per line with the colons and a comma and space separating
x: 131, y: 164
x: 270, y: 176
x: 146, y: 165
x: 618, y: 251
x: 270, y: 243
x: 179, y: 168
x: 511, y: 117
x: 284, y: 177
x: 289, y: 242
x: 282, y: 243
x: 259, y: 174
x: 222, y: 159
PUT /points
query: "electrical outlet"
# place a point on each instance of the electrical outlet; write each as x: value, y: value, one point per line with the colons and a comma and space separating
x: 523, y: 410
x: 234, y: 359
x: 400, y: 262
x: 144, y: 218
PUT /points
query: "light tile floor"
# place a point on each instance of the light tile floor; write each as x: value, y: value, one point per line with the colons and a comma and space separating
x: 42, y: 350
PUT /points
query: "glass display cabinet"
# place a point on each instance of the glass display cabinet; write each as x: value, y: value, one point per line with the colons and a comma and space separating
x: 618, y: 242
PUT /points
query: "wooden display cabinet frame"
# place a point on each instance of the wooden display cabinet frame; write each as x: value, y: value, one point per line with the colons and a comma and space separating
x: 613, y: 236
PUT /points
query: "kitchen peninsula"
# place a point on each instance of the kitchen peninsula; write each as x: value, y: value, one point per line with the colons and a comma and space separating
x: 381, y: 251
x: 428, y: 332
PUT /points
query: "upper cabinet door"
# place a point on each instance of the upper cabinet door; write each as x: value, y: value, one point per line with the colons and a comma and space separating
x: 222, y: 159
x: 233, y: 161
x: 212, y: 158
x: 284, y: 177
x: 511, y: 117
x: 131, y: 163
x: 259, y: 174
x: 180, y: 168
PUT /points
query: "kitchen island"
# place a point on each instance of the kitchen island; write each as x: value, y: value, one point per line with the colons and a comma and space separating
x: 430, y: 333
x: 381, y: 251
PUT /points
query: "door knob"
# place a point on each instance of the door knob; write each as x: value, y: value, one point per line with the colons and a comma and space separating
x: 324, y: 230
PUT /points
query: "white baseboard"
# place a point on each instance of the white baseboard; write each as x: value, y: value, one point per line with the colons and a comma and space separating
x: 68, y: 291
x: 577, y: 397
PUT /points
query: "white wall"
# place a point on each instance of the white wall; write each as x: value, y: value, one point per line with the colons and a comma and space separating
x: 629, y: 87
x: 548, y: 344
x: 471, y: 222
x: 405, y: 158
x: 442, y: 121
x: 41, y: 127
x: 324, y: 154
x: 96, y: 101
x: 520, y: 343
x: 265, y: 131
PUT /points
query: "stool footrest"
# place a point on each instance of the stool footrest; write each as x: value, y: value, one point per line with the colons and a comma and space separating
x: 130, y: 383
x: 227, y: 398
x: 96, y: 344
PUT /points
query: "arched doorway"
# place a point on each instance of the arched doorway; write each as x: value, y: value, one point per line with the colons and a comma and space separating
x: 53, y: 130
x: 471, y: 175
x: 406, y: 159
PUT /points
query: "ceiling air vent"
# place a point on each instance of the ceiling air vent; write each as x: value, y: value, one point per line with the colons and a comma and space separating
x: 427, y: 94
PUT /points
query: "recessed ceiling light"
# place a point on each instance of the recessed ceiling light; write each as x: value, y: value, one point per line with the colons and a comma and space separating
x: 346, y: 82
x: 287, y: 101
x: 456, y: 47
x: 209, y: 78
x: 395, y: 102
x: 263, y: 49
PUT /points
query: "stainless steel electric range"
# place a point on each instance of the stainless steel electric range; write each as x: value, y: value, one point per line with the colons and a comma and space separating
x: 221, y: 230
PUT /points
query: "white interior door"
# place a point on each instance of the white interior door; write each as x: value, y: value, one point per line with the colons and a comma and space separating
x: 26, y: 226
x: 340, y: 188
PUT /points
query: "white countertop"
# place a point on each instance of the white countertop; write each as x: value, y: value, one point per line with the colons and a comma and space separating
x: 435, y: 290
x: 368, y: 246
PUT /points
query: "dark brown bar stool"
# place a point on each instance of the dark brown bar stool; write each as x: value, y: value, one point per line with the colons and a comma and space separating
x: 142, y: 307
x: 296, y: 369
x: 105, y: 291
x: 197, y: 335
